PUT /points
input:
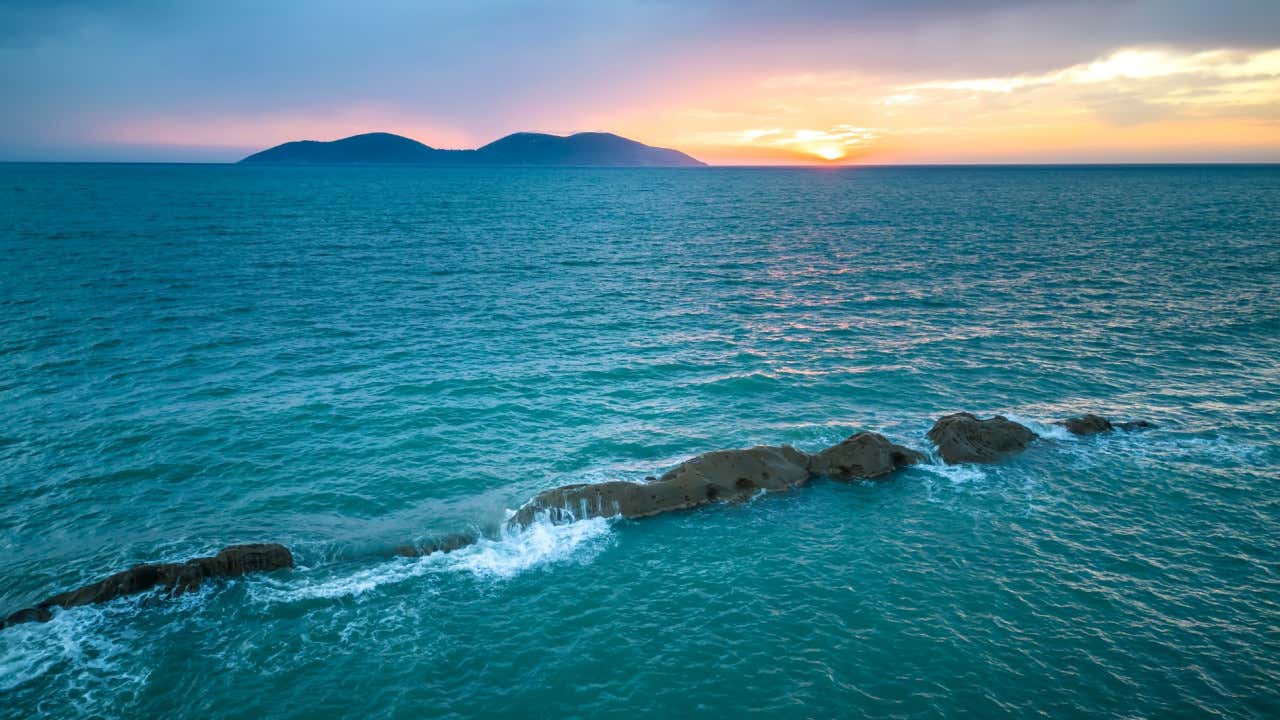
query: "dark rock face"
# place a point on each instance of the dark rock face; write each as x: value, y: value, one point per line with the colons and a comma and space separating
x: 962, y: 437
x: 1132, y: 425
x: 1086, y: 425
x: 719, y: 476
x: 865, y: 455
x: 172, y: 578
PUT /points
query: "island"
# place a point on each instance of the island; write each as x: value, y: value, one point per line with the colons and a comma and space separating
x: 586, y: 149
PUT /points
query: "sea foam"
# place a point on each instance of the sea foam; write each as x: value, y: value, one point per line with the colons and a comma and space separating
x: 541, y: 543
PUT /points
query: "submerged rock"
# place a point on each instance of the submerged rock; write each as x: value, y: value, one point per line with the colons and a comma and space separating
x: 962, y: 437
x: 26, y: 615
x: 719, y: 476
x: 1089, y: 424
x: 172, y: 578
x: 446, y: 544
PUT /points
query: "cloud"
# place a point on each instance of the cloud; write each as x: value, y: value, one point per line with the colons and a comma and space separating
x: 1222, y: 99
x: 1129, y: 86
x: 1131, y: 65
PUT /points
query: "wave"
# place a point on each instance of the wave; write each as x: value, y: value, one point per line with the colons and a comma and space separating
x: 72, y: 641
x: 1049, y: 430
x: 957, y: 474
x: 509, y: 554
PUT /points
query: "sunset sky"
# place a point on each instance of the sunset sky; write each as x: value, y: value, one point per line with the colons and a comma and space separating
x: 753, y: 82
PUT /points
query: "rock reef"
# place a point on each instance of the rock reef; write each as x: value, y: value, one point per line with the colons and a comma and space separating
x: 171, y: 578
x: 719, y: 476
x: 715, y: 477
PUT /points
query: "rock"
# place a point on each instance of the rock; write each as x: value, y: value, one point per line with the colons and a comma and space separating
x: 173, y: 578
x: 865, y: 455
x: 446, y: 544
x: 962, y: 437
x: 1132, y: 425
x: 1086, y: 425
x: 719, y: 476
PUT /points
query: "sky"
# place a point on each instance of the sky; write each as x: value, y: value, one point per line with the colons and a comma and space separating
x: 728, y: 81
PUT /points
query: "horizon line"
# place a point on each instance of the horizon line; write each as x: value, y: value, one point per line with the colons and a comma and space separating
x: 704, y: 166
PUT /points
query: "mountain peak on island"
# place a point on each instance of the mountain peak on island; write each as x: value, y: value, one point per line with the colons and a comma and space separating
x: 588, y: 149
x: 373, y: 148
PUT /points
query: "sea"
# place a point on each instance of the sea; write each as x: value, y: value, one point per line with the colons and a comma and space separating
x: 346, y: 360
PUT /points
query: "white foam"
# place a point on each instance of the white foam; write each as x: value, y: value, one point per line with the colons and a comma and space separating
x: 957, y: 474
x: 1049, y: 430
x: 540, y: 543
x: 1211, y: 451
x: 72, y: 641
x: 352, y: 584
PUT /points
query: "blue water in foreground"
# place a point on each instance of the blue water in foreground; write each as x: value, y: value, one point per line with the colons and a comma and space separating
x: 344, y: 360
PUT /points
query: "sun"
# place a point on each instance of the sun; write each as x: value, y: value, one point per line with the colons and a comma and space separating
x: 829, y: 152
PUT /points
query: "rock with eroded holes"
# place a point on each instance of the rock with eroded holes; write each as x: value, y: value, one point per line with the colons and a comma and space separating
x: 866, y: 455
x: 964, y: 438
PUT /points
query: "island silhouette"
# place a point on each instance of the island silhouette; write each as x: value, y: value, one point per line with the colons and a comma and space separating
x: 591, y: 149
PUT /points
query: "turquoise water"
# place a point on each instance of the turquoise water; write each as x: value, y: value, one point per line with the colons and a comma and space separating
x: 344, y: 360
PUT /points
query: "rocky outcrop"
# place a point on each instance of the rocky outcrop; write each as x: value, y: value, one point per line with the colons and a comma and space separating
x: 719, y: 476
x: 962, y: 437
x: 1133, y: 425
x: 171, y: 578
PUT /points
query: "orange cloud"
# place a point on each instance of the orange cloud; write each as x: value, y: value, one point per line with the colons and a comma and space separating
x: 1139, y: 103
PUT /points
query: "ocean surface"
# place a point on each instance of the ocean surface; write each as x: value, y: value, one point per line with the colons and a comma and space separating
x: 345, y: 360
